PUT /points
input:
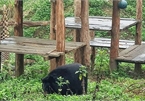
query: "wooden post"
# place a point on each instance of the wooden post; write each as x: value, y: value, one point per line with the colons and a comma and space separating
x: 60, y: 32
x: 93, y: 50
x: 53, y: 31
x: 138, y: 30
x: 53, y: 21
x: 115, y: 35
x: 0, y: 61
x: 77, y: 12
x: 85, y: 37
x: 18, y: 31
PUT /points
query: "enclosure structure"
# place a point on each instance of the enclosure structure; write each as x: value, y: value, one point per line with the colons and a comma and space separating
x: 57, y: 48
x: 47, y: 48
x: 114, y: 24
x: 83, y: 55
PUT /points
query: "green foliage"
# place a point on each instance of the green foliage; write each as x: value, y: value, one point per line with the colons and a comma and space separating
x: 6, y: 2
x: 82, y: 72
x: 39, y: 11
x: 96, y: 6
x: 101, y: 61
x: 118, y: 85
x: 61, y: 82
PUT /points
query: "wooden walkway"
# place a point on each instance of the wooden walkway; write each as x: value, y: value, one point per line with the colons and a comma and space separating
x: 106, y: 42
x: 44, y: 47
x: 133, y: 54
x: 99, y: 23
x: 102, y: 24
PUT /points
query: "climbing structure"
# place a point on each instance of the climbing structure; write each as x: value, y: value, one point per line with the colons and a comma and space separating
x: 114, y: 24
x: 4, y: 32
x: 49, y: 49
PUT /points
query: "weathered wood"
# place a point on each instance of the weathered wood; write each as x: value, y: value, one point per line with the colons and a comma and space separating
x: 138, y: 30
x: 133, y: 54
x: 115, y: 35
x: 53, y: 31
x: 53, y: 21
x: 106, y: 42
x: 23, y: 45
x: 99, y: 23
x: 85, y: 37
x: 60, y: 31
x: 93, y: 54
x: 35, y: 23
x: 77, y: 13
x: 76, y: 34
x: 29, y: 23
x: 18, y: 31
x: 93, y: 51
x: 0, y: 61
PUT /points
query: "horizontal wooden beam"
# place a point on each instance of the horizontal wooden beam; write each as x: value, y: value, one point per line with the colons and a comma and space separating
x: 29, y: 23
x: 35, y: 23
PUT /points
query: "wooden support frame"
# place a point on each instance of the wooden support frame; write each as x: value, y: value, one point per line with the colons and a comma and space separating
x: 60, y: 32
x: 57, y: 32
x: 115, y: 35
x: 77, y: 32
x: 85, y: 37
x: 29, y: 23
x: 18, y: 31
x: 138, y: 31
x: 53, y: 32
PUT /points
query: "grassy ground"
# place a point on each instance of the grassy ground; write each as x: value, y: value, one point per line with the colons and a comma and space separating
x: 122, y: 85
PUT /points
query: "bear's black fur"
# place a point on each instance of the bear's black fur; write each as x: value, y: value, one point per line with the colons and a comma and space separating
x: 68, y: 72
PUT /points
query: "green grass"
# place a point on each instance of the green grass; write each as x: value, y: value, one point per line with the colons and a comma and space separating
x: 118, y: 86
x: 121, y: 85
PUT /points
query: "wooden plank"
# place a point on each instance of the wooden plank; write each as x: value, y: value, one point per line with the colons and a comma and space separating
x: 25, y: 49
x: 133, y: 54
x: 100, y: 23
x: 106, y: 42
x: 44, y: 47
x: 38, y: 42
x: 127, y: 50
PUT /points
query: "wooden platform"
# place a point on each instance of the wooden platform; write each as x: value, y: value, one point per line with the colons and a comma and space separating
x: 44, y: 47
x: 106, y: 42
x: 99, y: 23
x: 133, y: 54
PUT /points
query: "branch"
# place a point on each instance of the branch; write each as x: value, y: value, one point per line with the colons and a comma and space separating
x: 29, y: 23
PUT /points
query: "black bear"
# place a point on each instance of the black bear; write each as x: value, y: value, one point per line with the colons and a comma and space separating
x: 51, y: 84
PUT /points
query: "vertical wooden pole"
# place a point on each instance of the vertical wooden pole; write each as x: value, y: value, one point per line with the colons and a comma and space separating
x: 85, y: 37
x: 53, y: 21
x: 93, y: 50
x: 18, y: 31
x: 138, y: 30
x: 53, y: 31
x: 77, y: 12
x: 0, y: 61
x: 115, y: 35
x: 60, y: 31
